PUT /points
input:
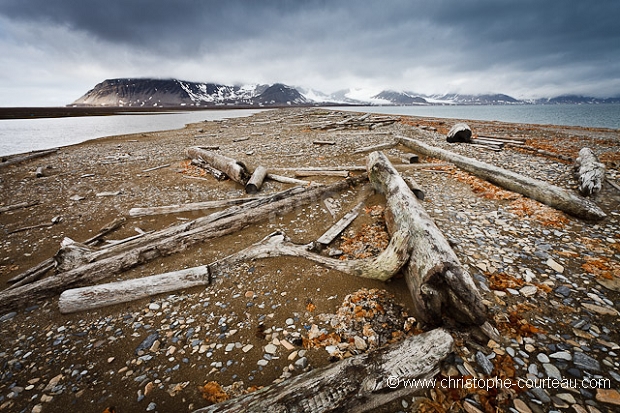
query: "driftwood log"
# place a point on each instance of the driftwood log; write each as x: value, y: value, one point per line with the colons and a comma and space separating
x: 536, y: 189
x: 234, y: 169
x: 256, y: 180
x: 360, y: 383
x: 116, y: 259
x: 590, y: 172
x: 438, y: 283
x: 382, y: 268
x: 193, y: 206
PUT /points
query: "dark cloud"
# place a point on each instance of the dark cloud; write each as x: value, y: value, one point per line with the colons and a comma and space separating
x: 506, y: 46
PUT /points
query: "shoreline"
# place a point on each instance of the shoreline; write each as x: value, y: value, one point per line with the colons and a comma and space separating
x: 505, y: 243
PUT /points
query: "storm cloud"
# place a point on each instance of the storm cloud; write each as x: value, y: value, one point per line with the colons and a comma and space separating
x: 54, y: 51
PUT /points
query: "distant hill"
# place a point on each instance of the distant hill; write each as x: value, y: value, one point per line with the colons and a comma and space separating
x: 173, y: 93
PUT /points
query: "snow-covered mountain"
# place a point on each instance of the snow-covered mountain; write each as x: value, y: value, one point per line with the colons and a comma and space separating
x: 174, y: 93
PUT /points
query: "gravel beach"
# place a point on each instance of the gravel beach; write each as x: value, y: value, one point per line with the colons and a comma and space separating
x: 551, y: 281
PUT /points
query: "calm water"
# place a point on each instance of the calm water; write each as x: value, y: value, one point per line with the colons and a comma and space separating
x: 601, y: 116
x: 24, y: 135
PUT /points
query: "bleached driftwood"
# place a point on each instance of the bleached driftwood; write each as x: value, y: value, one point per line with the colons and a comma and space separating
x: 256, y: 180
x: 590, y: 172
x: 36, y: 272
x: 340, y: 173
x: 357, y: 384
x: 382, y: 268
x: 193, y: 206
x: 287, y: 180
x: 116, y: 259
x: 19, y: 205
x: 26, y: 157
x: 438, y: 283
x: 234, y: 169
x: 379, y: 147
x: 335, y: 230
x: 541, y: 191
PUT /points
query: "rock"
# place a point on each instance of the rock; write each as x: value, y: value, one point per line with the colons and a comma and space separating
x: 461, y: 132
x: 271, y: 348
x: 561, y: 355
x: 484, y: 363
x: 301, y: 363
x: 360, y: 343
x: 247, y: 348
x: 555, y: 266
x: 147, y: 342
x: 521, y: 406
x: 600, y: 309
x: 552, y: 371
x: 543, y: 358
x: 528, y: 290
x: 609, y: 396
x: 584, y: 362
x: 262, y: 362
x: 8, y: 316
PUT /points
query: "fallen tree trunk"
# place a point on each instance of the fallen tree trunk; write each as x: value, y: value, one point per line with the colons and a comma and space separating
x: 26, y: 157
x: 357, y: 384
x: 194, y: 206
x: 590, y: 172
x: 234, y: 169
x: 116, y: 259
x: 382, y: 268
x: 538, y: 190
x: 438, y: 283
x: 37, y: 272
x: 256, y: 180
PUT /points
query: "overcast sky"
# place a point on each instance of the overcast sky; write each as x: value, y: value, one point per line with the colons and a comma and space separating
x: 53, y: 51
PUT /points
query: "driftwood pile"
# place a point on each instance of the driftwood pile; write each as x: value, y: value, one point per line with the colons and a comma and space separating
x: 367, y: 121
x: 440, y: 286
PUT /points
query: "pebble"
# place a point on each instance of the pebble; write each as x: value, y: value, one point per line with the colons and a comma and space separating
x: 484, y: 363
x: 271, y: 348
x: 555, y: 265
x: 552, y: 371
x: 543, y: 358
x: 609, y: 396
x: 585, y: 362
x: 561, y: 355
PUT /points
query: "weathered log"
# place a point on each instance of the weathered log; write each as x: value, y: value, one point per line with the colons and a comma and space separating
x: 438, y: 283
x: 411, y: 158
x: 234, y: 169
x: 216, y: 173
x: 342, y: 174
x: 19, y: 205
x: 26, y: 157
x: 256, y: 180
x: 39, y: 172
x: 287, y: 180
x: 590, y: 172
x: 415, y: 188
x: 116, y: 259
x: 324, y: 142
x: 37, y: 272
x: 379, y: 147
x: 381, y: 268
x: 357, y: 384
x: 88, y: 298
x: 156, y: 168
x: 536, y: 189
x: 193, y: 206
x: 335, y: 230
x: 461, y: 132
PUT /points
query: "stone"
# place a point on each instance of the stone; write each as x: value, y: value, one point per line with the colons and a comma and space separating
x: 262, y: 362
x: 360, y: 343
x: 542, y: 357
x: 521, y: 406
x: 561, y: 355
x: 484, y: 363
x: 609, y: 396
x: 599, y: 309
x: 555, y: 266
x: 247, y: 348
x: 552, y: 371
x: 271, y: 348
x: 584, y: 362
x: 528, y: 290
x: 567, y: 397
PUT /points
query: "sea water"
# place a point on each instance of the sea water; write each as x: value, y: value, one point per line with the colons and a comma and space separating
x: 25, y: 135
x: 587, y: 115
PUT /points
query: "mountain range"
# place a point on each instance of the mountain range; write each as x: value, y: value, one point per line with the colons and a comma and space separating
x: 144, y: 92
